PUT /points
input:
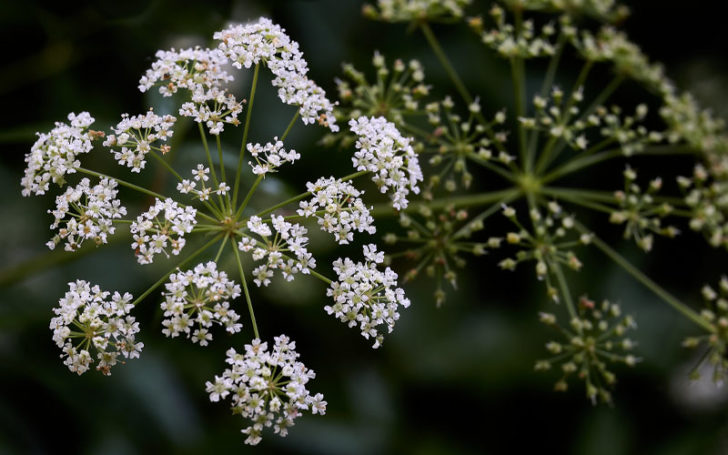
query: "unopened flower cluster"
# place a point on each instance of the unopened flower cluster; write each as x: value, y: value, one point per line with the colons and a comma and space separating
x: 88, y: 322
x: 267, y: 387
x: 715, y: 343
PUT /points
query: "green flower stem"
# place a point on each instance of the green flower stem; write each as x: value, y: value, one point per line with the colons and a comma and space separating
x: 227, y: 206
x: 498, y: 170
x: 215, y: 181
x: 573, y: 197
x: 305, y: 195
x: 290, y: 125
x: 453, y: 75
x: 581, y: 163
x: 164, y: 163
x: 561, y: 279
x: 647, y: 282
x: 321, y: 277
x: 474, y: 200
x: 166, y: 275
x: 222, y: 247
x: 239, y: 171
x: 519, y: 93
x: 123, y: 183
x: 248, y: 196
x: 245, y: 287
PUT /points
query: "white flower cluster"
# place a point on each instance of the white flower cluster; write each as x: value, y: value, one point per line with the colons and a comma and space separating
x: 343, y: 210
x: 91, y: 210
x: 270, y: 156
x: 162, y: 226
x: 54, y: 154
x: 200, y: 174
x: 382, y: 150
x: 201, y: 71
x: 200, y: 296
x: 413, y: 10
x: 289, y: 237
x: 267, y: 387
x: 366, y: 297
x: 86, y: 314
x: 136, y: 135
x: 246, y: 45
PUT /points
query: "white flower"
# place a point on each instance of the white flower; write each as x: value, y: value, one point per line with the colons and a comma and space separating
x: 199, y: 297
x: 263, y: 41
x: 289, y: 237
x: 54, y: 154
x: 161, y: 227
x: 200, y: 174
x: 201, y: 72
x: 365, y: 297
x: 382, y: 150
x: 270, y: 157
x: 136, y: 135
x: 86, y: 314
x: 266, y: 387
x: 91, y: 210
x: 344, y: 211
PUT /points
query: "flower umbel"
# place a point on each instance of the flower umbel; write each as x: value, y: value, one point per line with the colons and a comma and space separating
x: 266, y: 387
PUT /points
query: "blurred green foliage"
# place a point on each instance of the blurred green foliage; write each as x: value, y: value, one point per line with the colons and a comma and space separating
x: 452, y: 380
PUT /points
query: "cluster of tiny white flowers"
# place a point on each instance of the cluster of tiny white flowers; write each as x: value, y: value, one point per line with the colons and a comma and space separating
x: 200, y: 296
x: 408, y: 10
x: 388, y: 155
x: 162, y: 226
x: 524, y: 42
x: 289, y: 237
x: 266, y: 387
x: 91, y: 210
x: 270, y: 157
x: 201, y: 71
x: 136, y: 135
x: 365, y: 296
x: 264, y: 41
x: 200, y: 174
x: 85, y: 313
x: 344, y: 211
x: 54, y: 154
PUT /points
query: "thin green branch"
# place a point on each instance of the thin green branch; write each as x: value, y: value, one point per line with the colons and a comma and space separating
x: 239, y: 171
x: 245, y: 288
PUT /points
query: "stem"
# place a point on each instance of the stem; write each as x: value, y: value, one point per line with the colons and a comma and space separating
x: 290, y: 125
x: 245, y: 287
x: 647, y: 282
x: 487, y: 213
x: 517, y: 72
x: 222, y: 247
x: 248, y: 196
x: 603, y: 96
x: 123, y: 183
x: 164, y: 163
x: 474, y: 200
x: 321, y: 277
x: 212, y: 166
x: 445, y: 62
x: 245, y: 134
x: 166, y: 275
x: 580, y: 163
x: 556, y: 267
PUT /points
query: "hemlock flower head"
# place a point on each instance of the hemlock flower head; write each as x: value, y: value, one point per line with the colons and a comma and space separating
x: 414, y: 10
x: 160, y: 229
x: 267, y: 43
x: 338, y: 208
x: 135, y: 137
x: 90, y: 211
x: 388, y: 155
x: 197, y: 299
x: 267, y: 387
x: 87, y: 322
x: 366, y: 297
x: 270, y: 157
x: 55, y: 154
x: 289, y: 237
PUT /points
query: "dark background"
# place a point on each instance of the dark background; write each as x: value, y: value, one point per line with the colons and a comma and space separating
x: 452, y: 380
